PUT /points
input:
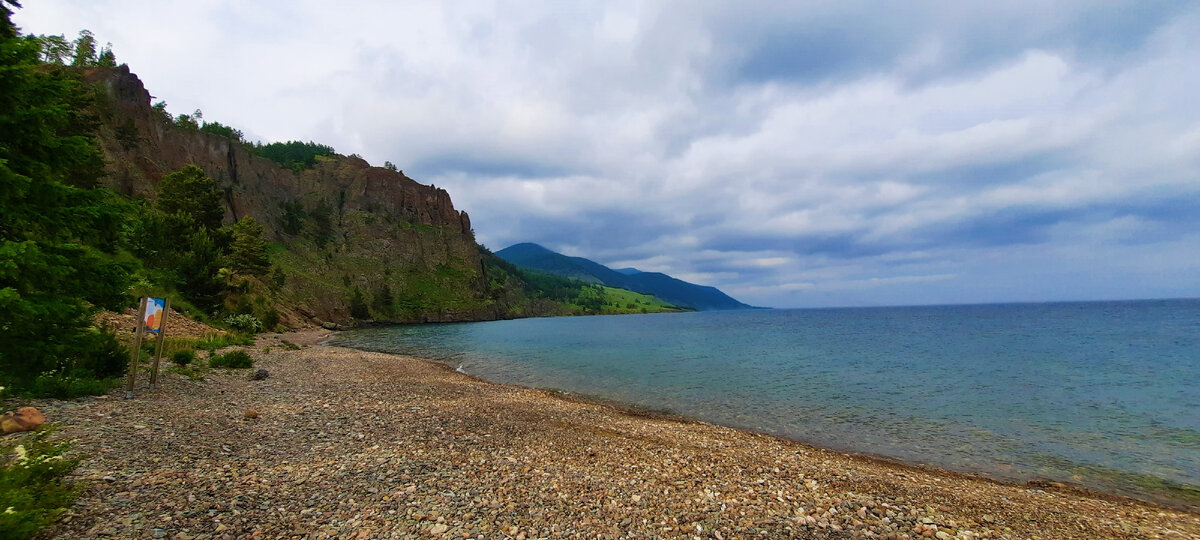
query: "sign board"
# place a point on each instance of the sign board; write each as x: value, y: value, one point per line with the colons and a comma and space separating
x: 154, y: 314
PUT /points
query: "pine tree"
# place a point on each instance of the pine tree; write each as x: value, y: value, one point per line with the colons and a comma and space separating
x: 85, y: 49
x: 192, y: 193
x: 247, y: 249
x: 57, y: 232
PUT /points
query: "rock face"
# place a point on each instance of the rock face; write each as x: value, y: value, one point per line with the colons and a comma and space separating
x: 25, y: 419
x: 387, y: 235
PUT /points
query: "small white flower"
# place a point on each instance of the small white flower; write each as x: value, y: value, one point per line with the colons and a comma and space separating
x: 9, y: 510
x: 21, y: 454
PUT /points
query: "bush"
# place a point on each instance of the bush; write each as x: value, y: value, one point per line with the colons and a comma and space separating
x: 270, y: 319
x: 108, y: 356
x: 245, y: 323
x: 31, y: 489
x: 69, y: 387
x: 183, y: 358
x: 232, y: 359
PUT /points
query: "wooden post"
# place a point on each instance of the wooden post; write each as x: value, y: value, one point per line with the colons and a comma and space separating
x: 136, y: 354
x: 162, y: 331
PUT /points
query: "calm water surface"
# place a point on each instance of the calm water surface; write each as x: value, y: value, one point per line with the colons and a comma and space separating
x: 1106, y: 394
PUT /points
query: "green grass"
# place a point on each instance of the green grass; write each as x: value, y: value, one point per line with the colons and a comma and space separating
x: 617, y: 301
x: 219, y: 341
x: 32, y: 493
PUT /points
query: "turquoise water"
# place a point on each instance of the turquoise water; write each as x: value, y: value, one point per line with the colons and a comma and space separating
x: 1103, y: 394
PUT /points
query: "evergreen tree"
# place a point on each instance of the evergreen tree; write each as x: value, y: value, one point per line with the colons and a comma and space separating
x: 247, y: 249
x: 192, y: 193
x: 358, y: 305
x: 107, y: 58
x: 57, y: 235
x: 55, y: 49
x: 384, y: 301
x: 85, y: 49
x: 200, y: 271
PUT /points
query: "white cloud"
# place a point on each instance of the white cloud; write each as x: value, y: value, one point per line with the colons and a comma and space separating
x: 976, y: 143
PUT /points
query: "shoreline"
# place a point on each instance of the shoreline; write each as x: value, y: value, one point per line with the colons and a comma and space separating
x: 635, y: 410
x: 1165, y: 495
x: 353, y: 444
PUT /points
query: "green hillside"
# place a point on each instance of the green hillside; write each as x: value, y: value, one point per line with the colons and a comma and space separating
x: 672, y: 290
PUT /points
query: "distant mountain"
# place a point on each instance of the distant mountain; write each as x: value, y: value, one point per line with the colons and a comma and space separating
x: 675, y: 291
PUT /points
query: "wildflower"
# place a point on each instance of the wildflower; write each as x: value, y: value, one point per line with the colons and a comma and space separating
x: 9, y: 510
x: 21, y: 454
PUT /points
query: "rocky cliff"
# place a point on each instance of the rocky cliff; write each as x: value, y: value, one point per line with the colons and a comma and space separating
x: 401, y: 243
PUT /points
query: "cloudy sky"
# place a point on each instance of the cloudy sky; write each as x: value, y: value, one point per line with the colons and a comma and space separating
x: 816, y: 154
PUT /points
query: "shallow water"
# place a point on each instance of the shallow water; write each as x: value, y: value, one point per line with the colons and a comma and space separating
x: 1104, y: 394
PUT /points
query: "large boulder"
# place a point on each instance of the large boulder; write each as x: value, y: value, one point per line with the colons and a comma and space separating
x: 25, y: 419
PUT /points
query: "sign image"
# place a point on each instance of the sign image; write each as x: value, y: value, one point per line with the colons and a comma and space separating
x: 154, y: 314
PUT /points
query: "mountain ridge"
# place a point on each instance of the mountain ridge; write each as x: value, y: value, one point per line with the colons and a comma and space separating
x: 668, y: 288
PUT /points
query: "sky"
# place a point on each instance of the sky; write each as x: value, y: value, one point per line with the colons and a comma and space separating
x: 793, y: 154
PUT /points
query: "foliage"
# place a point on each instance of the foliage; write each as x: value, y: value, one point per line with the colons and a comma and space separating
x: 575, y: 297
x: 82, y: 52
x: 322, y: 217
x: 187, y: 123
x: 127, y: 134
x: 294, y: 155
x: 55, y: 49
x: 70, y: 387
x: 232, y: 359
x: 390, y: 166
x: 292, y: 221
x: 247, y: 249
x: 384, y: 302
x: 244, y: 323
x: 358, y: 305
x: 32, y: 491
x: 214, y: 342
x: 160, y: 107
x: 192, y: 193
x: 183, y: 358
x: 85, y: 49
x: 278, y: 279
x: 107, y: 58
x: 199, y: 270
x: 58, y: 233
x: 219, y: 129
x: 270, y: 319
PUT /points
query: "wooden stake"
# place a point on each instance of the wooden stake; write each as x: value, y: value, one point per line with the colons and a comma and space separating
x: 136, y: 354
x: 162, y: 331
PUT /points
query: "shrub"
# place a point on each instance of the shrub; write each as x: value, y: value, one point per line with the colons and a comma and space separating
x: 183, y: 358
x: 31, y: 489
x: 69, y: 387
x: 270, y: 319
x: 107, y: 356
x: 245, y: 323
x: 232, y: 359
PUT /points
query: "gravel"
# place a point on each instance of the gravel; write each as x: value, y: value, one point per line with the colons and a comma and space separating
x: 349, y: 444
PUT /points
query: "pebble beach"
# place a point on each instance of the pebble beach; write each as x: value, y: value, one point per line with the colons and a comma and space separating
x: 340, y: 443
